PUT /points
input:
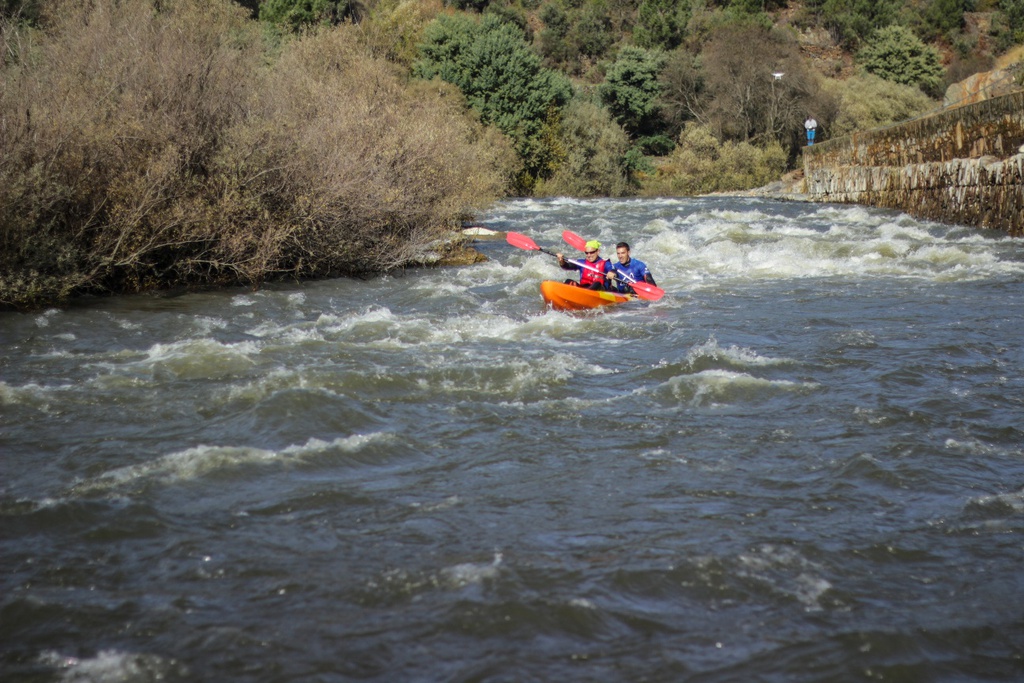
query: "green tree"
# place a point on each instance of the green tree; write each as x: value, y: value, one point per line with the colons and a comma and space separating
x: 501, y: 78
x: 553, y: 44
x: 897, y: 55
x: 592, y: 33
x: 631, y: 89
x: 1013, y: 10
x: 852, y: 21
x: 591, y: 152
x: 296, y: 13
x: 943, y: 16
x: 661, y: 23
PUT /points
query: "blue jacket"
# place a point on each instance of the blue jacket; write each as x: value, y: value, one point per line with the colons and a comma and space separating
x: 636, y: 269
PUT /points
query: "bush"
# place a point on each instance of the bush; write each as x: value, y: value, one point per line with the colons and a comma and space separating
x: 851, y: 22
x: 501, y: 78
x: 294, y: 14
x: 868, y: 102
x: 21, y: 10
x: 591, y: 160
x: 631, y: 89
x: 701, y: 164
x: 395, y: 28
x: 146, y: 149
x: 661, y: 24
x: 1013, y: 12
x: 360, y: 169
x: 897, y: 55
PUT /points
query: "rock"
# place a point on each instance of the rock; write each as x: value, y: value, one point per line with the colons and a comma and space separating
x: 979, y: 87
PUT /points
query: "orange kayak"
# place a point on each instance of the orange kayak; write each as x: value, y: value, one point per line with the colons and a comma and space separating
x: 563, y: 297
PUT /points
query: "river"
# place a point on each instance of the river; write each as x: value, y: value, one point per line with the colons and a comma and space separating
x: 804, y: 463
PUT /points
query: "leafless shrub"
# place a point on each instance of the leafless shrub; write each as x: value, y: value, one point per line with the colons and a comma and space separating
x: 366, y: 169
x: 155, y: 144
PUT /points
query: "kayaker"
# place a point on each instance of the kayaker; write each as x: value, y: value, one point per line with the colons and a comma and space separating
x: 589, y: 278
x: 630, y: 267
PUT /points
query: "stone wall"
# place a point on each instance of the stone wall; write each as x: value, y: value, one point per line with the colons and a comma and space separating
x: 962, y: 165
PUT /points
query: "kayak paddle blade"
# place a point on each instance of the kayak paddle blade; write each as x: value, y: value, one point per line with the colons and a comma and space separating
x: 646, y: 291
x: 574, y: 240
x: 521, y: 241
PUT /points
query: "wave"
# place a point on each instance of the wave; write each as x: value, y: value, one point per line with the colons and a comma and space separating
x: 202, y: 461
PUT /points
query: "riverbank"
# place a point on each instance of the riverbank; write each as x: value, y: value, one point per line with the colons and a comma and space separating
x: 309, y: 160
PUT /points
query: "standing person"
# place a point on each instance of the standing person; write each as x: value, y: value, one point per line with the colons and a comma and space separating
x: 592, y: 277
x: 629, y: 266
x: 811, y: 125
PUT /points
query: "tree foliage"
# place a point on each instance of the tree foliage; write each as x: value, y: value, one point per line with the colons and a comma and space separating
x: 23, y: 10
x: 631, y: 88
x: 574, y: 36
x: 294, y: 14
x: 868, y: 101
x: 701, y: 163
x: 1013, y: 10
x: 501, y: 78
x: 591, y: 151
x: 661, y: 24
x: 897, y: 55
x: 853, y: 21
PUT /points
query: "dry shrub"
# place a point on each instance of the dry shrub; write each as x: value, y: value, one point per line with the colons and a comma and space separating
x: 157, y: 144
x: 110, y: 119
x: 364, y: 170
x: 868, y: 101
x: 395, y: 27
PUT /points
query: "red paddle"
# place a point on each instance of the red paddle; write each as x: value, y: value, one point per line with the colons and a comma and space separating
x: 574, y: 240
x: 645, y: 291
x: 520, y: 240
x: 653, y: 293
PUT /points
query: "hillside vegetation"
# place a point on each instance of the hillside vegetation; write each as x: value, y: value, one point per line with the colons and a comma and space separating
x: 158, y: 143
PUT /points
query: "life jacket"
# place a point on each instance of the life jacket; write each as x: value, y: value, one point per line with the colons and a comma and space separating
x: 589, y: 277
x: 634, y: 269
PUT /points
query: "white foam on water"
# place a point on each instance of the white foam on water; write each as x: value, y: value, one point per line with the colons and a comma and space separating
x: 583, y: 603
x: 198, y: 359
x: 753, y: 245
x: 407, y: 582
x: 112, y: 666
x: 733, y: 355
x: 713, y: 388
x: 204, y: 324
x: 529, y: 378
x: 785, y: 570
x: 444, y: 289
x: 973, y: 447
x: 469, y: 573
x: 449, y: 502
x: 44, y: 318
x: 1011, y: 502
x: 32, y: 395
x: 277, y: 379
x: 200, y: 461
x: 538, y: 205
